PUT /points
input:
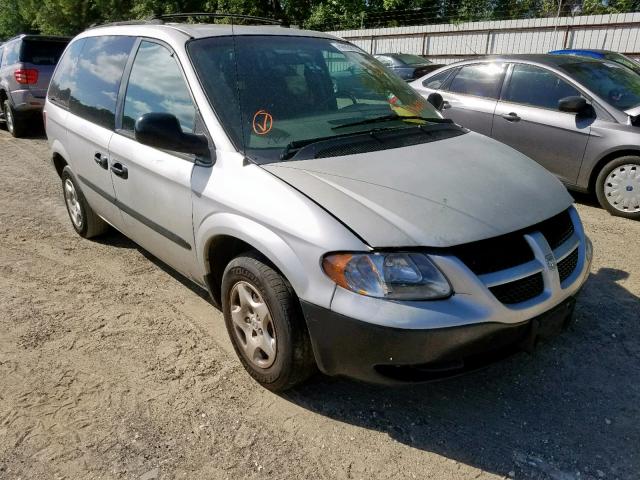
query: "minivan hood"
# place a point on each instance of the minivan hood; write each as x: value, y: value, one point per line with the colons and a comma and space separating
x: 438, y: 194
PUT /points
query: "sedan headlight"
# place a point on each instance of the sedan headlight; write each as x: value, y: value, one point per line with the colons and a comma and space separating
x: 391, y: 275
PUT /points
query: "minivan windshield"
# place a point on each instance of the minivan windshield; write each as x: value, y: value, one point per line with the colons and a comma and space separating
x: 271, y: 92
x: 613, y: 82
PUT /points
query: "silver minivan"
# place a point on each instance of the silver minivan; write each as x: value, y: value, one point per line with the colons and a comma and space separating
x: 337, y: 219
x: 578, y: 117
x: 26, y: 65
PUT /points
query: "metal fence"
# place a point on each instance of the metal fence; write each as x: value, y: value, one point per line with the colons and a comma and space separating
x: 446, y: 43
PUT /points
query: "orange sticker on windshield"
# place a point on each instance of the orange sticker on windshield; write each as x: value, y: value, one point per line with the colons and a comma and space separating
x: 262, y: 122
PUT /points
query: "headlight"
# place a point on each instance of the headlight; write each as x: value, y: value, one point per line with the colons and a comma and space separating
x: 393, y: 275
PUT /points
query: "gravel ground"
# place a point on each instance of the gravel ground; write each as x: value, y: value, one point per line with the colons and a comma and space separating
x: 112, y: 366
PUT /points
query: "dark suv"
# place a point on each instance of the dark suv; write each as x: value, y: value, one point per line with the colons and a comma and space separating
x: 26, y: 65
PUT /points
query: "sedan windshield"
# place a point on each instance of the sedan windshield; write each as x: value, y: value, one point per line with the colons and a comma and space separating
x: 624, y: 60
x: 272, y: 92
x: 409, y: 59
x: 610, y: 81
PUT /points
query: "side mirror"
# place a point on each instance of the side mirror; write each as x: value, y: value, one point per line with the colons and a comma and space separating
x: 163, y: 131
x: 573, y: 104
x: 436, y: 100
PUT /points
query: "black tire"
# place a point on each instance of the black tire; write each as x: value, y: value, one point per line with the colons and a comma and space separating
x: 294, y: 361
x: 16, y: 124
x: 601, y: 182
x: 90, y: 224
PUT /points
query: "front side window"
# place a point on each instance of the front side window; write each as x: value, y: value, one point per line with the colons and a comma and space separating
x: 272, y: 91
x: 65, y: 75
x: 538, y: 87
x: 614, y: 83
x: 156, y: 85
x: 479, y: 80
x: 97, y: 78
x: 386, y: 61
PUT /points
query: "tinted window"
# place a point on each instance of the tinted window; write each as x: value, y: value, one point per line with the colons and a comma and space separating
x: 64, y: 77
x: 386, y: 61
x: 437, y: 81
x: 480, y: 80
x: 97, y: 79
x: 537, y: 87
x: 42, y: 52
x: 156, y: 85
x: 11, y: 53
x: 409, y: 59
x: 614, y: 83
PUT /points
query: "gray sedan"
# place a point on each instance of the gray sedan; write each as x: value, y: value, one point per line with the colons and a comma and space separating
x: 578, y: 117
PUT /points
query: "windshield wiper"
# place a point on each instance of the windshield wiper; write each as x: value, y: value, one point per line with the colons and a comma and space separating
x: 388, y: 118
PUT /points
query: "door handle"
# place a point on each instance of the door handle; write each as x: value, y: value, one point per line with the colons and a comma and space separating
x: 101, y: 160
x: 511, y: 117
x: 120, y: 170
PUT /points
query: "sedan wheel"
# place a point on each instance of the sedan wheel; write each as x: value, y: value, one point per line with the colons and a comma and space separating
x: 622, y: 188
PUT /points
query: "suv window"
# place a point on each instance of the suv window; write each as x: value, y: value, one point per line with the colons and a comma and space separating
x: 11, y: 53
x: 479, y: 80
x: 42, y: 52
x: 96, y: 78
x: 156, y: 85
x: 63, y: 78
x: 531, y: 85
x: 436, y: 82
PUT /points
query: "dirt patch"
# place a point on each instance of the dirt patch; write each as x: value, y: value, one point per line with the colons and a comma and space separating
x: 112, y: 366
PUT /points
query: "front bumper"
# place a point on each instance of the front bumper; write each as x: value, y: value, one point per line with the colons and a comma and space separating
x: 384, y: 341
x: 384, y: 355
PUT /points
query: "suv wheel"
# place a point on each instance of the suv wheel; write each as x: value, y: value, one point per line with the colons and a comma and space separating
x: 15, y: 124
x: 84, y: 220
x: 266, y: 326
x: 618, y: 187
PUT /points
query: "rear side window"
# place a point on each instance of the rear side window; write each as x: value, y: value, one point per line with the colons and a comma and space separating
x: 479, y: 80
x: 156, y: 85
x: 537, y: 87
x: 96, y: 78
x: 436, y: 82
x: 64, y: 78
x: 11, y: 54
x: 42, y: 52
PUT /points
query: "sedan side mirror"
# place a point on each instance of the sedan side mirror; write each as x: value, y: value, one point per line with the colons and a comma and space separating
x: 573, y: 104
x: 163, y: 131
x: 436, y: 100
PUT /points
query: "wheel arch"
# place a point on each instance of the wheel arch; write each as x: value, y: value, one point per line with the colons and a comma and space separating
x: 605, y: 160
x: 58, y: 157
x: 224, y: 236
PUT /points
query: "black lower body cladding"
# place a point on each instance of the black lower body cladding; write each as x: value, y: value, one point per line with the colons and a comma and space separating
x: 372, y: 353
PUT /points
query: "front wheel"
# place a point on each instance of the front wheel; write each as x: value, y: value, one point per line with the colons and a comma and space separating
x: 265, y: 323
x: 618, y: 187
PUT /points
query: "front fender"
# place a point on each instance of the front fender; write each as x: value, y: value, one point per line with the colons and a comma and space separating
x: 304, y: 274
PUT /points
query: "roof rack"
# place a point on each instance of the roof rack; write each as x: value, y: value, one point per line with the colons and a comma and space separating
x: 233, y: 16
x: 146, y: 21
